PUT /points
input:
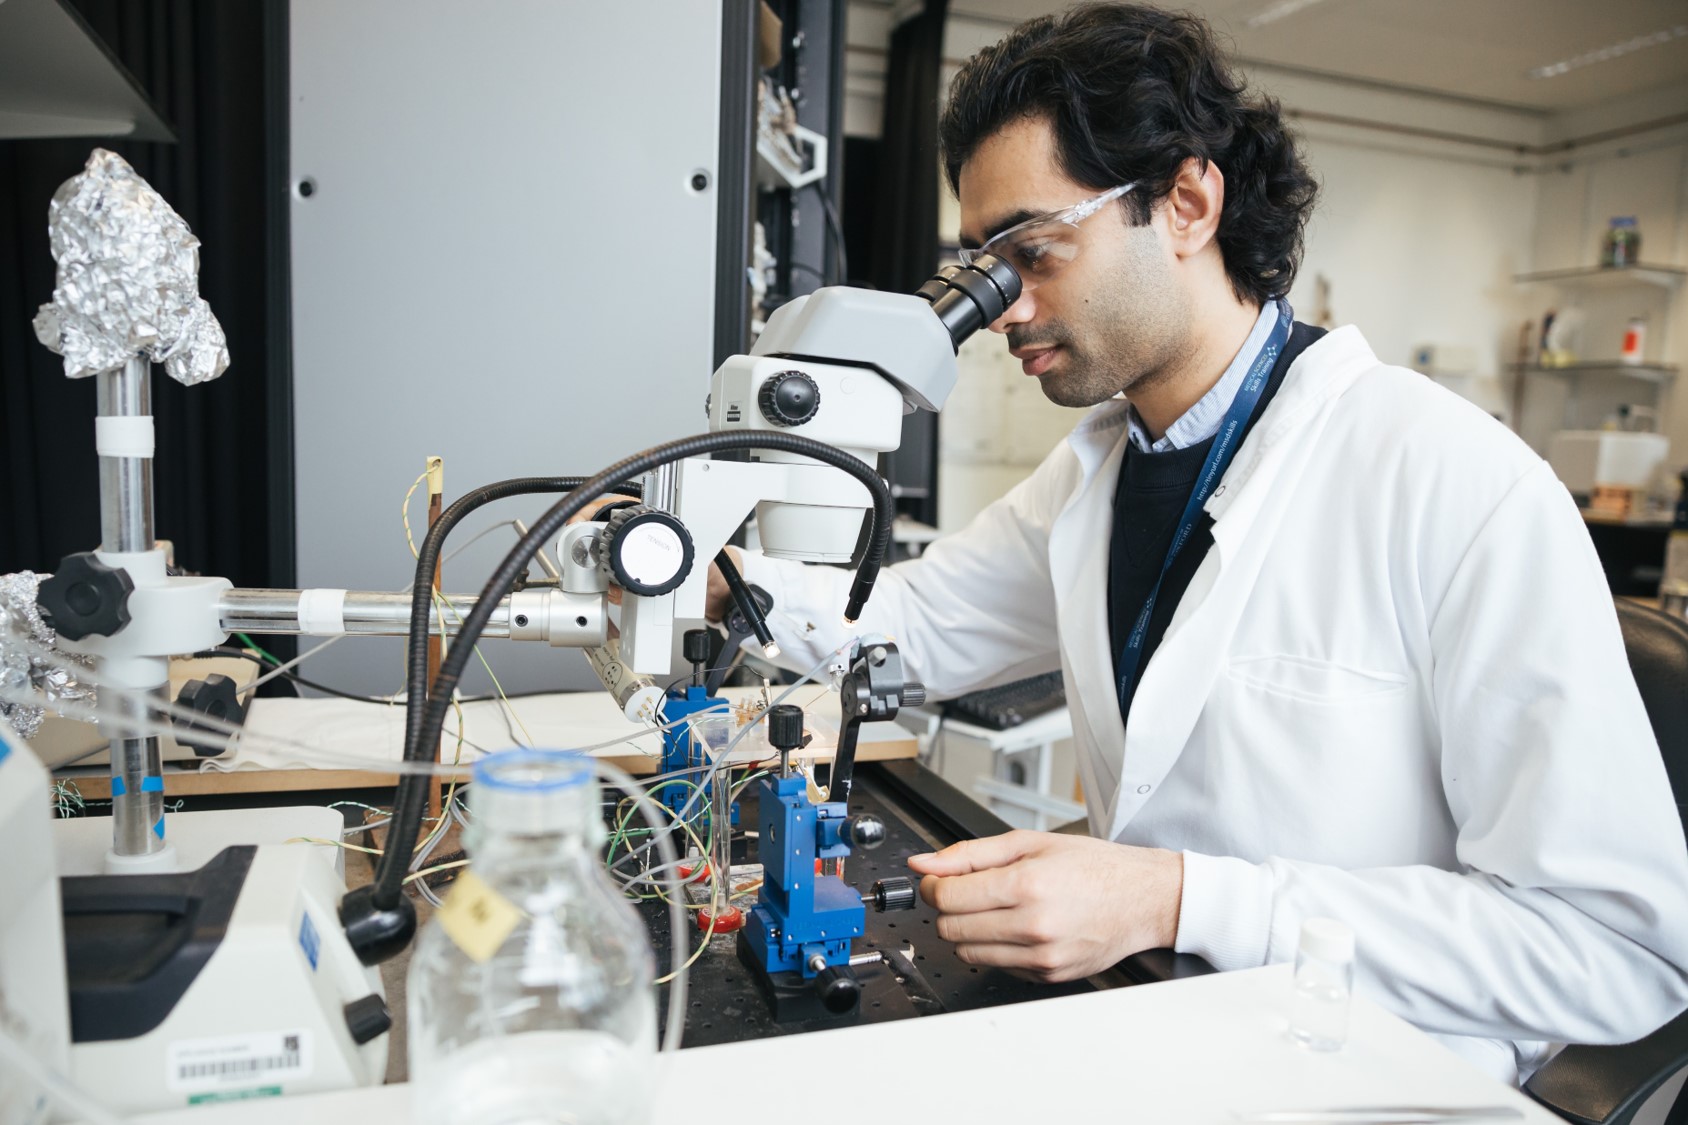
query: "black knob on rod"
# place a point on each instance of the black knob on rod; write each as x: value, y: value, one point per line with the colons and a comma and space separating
x: 838, y: 989
x: 895, y: 893
x: 785, y: 727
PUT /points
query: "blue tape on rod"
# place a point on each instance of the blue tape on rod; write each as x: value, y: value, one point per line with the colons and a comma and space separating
x: 158, y: 828
x: 118, y: 789
x: 152, y: 785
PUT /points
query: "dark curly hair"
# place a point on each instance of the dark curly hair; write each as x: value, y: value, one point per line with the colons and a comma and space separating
x: 1132, y: 93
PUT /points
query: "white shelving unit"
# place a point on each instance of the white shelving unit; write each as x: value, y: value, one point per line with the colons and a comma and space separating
x: 1653, y: 285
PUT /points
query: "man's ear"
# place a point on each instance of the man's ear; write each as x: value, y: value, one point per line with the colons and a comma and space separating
x: 1191, y: 209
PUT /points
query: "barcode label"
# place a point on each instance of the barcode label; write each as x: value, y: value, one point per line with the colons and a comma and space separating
x: 261, y: 1058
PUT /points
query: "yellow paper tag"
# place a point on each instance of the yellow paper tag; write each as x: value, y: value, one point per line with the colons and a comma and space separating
x: 476, y: 917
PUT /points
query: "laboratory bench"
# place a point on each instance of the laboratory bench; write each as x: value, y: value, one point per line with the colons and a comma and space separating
x: 938, y: 1040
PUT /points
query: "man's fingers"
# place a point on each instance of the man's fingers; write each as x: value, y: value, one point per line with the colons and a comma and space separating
x: 974, y: 855
x: 969, y: 894
x: 1030, y: 961
x: 988, y: 927
x: 590, y: 508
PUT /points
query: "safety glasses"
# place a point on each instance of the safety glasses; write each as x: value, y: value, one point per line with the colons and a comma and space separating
x: 1040, y: 248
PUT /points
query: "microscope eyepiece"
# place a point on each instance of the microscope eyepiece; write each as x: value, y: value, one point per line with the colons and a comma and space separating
x: 967, y: 298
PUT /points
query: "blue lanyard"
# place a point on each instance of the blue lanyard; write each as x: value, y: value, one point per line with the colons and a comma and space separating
x: 1213, y: 469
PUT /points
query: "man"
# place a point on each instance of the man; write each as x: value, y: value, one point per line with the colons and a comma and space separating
x: 1335, y: 642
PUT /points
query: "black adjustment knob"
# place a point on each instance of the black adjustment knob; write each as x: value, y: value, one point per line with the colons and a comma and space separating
x: 838, y: 989
x: 913, y: 695
x: 785, y: 726
x: 368, y: 1018
x: 694, y: 646
x: 85, y: 597
x: 895, y: 893
x: 865, y: 831
x: 215, y: 697
x: 789, y: 398
x: 644, y: 551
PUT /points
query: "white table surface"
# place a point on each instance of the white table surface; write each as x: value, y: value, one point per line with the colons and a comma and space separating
x: 339, y: 733
x: 1181, y: 1053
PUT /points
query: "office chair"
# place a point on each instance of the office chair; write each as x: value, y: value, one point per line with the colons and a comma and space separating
x: 1609, y: 1084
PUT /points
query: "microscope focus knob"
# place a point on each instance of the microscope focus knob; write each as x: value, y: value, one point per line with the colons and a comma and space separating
x: 85, y: 596
x: 785, y: 726
x: 789, y: 398
x: 644, y: 551
x: 895, y: 893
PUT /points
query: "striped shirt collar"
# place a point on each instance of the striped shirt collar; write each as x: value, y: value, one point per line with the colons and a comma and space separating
x: 1202, y: 420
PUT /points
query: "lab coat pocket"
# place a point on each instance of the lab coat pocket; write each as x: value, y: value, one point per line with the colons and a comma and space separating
x: 1326, y: 746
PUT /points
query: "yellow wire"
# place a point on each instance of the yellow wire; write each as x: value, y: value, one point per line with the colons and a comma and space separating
x: 408, y: 537
x: 441, y: 600
x: 414, y: 875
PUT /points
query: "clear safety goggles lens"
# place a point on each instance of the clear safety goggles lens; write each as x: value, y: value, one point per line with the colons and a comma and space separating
x: 1038, y: 249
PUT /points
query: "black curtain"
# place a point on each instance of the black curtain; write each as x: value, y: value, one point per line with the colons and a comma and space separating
x: 211, y: 68
x: 904, y: 250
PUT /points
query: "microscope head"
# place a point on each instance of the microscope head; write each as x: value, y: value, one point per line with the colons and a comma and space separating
x: 843, y: 366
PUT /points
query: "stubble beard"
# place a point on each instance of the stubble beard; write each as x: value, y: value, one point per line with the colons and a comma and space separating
x: 1135, y: 342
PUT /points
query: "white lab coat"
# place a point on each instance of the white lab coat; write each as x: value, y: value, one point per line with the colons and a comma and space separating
x: 1395, y: 693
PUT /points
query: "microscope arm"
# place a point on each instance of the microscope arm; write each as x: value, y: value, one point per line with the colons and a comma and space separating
x: 558, y: 617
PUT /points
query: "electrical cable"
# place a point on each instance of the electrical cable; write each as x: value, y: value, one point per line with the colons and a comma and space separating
x: 386, y: 892
x: 422, y: 586
x: 294, y: 677
x: 837, y: 229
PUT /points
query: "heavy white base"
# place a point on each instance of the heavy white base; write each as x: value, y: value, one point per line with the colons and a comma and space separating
x: 266, y: 1015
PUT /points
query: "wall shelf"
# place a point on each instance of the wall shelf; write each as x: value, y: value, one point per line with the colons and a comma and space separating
x: 1590, y: 277
x: 57, y: 79
x: 1649, y: 372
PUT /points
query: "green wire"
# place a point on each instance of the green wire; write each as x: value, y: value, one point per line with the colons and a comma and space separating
x: 253, y: 645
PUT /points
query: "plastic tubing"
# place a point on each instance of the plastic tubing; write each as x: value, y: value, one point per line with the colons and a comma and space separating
x: 652, y: 813
x: 388, y: 888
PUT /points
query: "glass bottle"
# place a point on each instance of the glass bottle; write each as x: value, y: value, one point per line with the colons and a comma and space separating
x: 1324, y: 982
x: 530, y: 993
x: 1621, y: 247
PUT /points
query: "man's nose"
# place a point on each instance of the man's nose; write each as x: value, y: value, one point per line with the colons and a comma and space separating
x: 1020, y: 312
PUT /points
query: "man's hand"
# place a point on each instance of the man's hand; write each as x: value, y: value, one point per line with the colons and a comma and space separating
x: 1052, y: 907
x: 718, y: 602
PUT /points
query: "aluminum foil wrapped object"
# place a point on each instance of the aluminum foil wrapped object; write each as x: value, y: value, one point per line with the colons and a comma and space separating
x: 24, y: 638
x: 128, y: 280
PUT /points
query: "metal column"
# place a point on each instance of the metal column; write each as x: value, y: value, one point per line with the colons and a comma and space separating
x: 126, y: 528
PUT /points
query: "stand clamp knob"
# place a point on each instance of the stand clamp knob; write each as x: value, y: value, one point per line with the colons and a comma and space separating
x: 86, y: 597
x: 644, y: 551
x: 789, y: 398
x: 215, y: 697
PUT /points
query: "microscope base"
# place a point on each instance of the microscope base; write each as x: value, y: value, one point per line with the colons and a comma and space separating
x: 230, y: 982
x: 791, y: 997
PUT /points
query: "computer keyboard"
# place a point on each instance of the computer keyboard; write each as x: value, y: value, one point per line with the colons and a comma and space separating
x: 1010, y: 704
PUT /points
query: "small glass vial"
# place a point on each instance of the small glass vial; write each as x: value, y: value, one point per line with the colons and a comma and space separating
x: 530, y: 991
x: 1324, y: 981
